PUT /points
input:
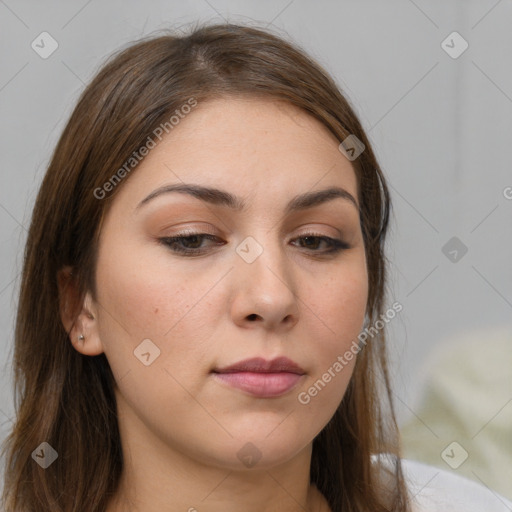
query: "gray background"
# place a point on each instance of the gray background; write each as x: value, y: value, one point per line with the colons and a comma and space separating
x: 441, y: 127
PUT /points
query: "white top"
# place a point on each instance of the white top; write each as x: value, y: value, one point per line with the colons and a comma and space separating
x: 438, y: 490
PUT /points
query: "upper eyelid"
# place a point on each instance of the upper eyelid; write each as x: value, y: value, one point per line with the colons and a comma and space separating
x: 202, y: 228
x: 187, y: 233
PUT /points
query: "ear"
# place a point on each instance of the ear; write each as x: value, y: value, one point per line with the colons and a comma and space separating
x: 79, y: 318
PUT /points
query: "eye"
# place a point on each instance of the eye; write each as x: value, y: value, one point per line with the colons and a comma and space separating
x: 312, y: 240
x: 191, y: 244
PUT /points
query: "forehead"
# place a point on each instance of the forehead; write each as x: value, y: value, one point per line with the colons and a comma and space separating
x: 240, y: 122
x: 251, y: 146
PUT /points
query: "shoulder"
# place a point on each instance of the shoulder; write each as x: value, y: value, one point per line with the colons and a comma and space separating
x: 437, y: 490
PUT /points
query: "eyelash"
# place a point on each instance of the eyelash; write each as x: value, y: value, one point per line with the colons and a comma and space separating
x: 335, y: 244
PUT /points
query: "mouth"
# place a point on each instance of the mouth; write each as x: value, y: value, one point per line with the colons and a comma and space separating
x: 261, y: 378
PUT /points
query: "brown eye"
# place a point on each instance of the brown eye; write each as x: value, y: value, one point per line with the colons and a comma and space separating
x: 188, y: 244
x: 312, y: 241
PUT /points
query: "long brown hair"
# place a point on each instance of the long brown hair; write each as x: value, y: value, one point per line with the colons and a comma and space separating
x: 67, y: 399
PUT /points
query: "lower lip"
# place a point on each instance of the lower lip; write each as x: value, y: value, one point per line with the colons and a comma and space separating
x: 263, y: 385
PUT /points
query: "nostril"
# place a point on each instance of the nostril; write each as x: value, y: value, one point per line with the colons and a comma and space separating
x: 254, y: 316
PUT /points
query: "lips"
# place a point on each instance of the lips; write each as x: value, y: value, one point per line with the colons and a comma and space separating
x: 260, y: 365
x: 261, y: 378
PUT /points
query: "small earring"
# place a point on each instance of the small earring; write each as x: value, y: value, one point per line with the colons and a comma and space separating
x: 81, y: 337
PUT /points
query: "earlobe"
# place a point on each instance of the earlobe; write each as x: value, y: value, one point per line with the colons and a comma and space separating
x: 77, y: 316
x: 89, y: 345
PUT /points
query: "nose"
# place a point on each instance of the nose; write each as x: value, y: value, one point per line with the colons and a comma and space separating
x: 265, y: 289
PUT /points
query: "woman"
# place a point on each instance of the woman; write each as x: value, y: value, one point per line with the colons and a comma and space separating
x: 203, y: 267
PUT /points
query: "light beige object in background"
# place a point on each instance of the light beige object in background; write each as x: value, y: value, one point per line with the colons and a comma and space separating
x: 463, y: 420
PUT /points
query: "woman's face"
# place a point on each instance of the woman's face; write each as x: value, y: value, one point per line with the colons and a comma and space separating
x: 263, y: 283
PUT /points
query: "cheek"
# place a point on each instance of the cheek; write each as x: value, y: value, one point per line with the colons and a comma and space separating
x: 141, y: 290
x: 144, y: 298
x: 340, y: 303
x: 347, y: 317
x: 341, y: 307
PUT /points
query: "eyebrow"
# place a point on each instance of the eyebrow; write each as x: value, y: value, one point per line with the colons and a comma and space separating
x: 223, y: 198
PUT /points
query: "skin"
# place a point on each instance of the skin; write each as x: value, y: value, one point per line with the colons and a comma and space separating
x: 181, y: 429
